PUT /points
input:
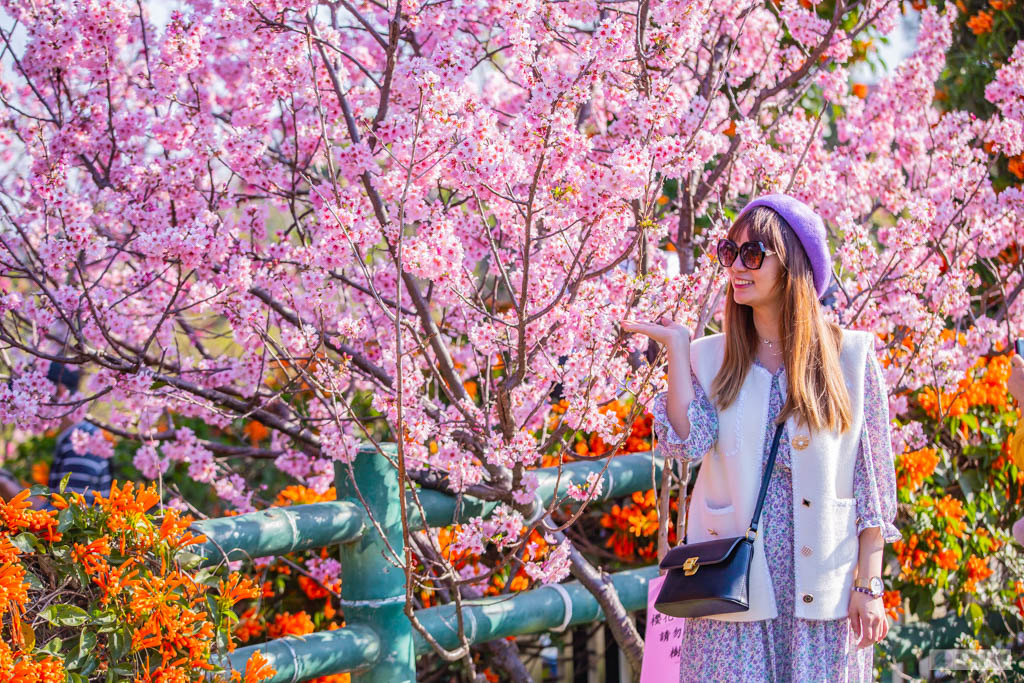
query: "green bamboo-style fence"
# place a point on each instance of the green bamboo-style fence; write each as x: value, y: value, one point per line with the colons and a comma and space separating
x: 378, y: 644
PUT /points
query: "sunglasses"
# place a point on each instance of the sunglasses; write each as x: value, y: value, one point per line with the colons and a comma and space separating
x: 751, y: 253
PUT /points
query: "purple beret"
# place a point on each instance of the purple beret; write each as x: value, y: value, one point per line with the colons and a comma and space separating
x: 808, y: 228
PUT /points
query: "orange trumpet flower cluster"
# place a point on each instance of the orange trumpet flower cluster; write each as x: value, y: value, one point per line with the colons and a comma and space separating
x: 139, y: 608
x: 984, y: 383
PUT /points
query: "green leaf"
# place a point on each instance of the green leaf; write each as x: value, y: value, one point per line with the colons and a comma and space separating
x: 189, y: 560
x: 80, y: 657
x: 53, y: 647
x: 118, y: 644
x: 123, y: 670
x: 33, y: 581
x: 106, y: 620
x: 65, y: 518
x: 64, y: 483
x: 38, y: 490
x: 976, y: 616
x: 25, y: 542
x: 90, y: 664
x: 970, y: 482
x: 65, y: 615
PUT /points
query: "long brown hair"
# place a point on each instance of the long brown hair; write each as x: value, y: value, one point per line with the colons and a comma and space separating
x: 816, y: 390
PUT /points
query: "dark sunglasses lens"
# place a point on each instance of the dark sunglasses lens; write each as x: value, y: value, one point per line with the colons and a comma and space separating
x: 752, y: 255
x: 726, y: 252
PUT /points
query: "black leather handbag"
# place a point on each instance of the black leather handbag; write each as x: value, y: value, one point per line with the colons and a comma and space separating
x: 713, y: 577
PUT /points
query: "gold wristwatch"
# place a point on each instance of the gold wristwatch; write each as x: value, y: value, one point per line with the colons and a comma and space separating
x: 872, y: 586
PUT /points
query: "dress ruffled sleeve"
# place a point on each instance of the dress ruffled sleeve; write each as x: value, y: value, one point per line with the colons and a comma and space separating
x: 703, y: 426
x: 874, y: 475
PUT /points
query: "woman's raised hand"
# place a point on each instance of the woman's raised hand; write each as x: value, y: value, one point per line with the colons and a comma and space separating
x: 1016, y: 382
x: 665, y: 332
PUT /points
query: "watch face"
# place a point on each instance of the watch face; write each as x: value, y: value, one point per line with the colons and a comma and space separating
x: 876, y: 585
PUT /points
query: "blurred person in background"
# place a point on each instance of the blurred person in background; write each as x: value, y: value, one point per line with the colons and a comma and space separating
x: 87, y: 472
x: 9, y: 485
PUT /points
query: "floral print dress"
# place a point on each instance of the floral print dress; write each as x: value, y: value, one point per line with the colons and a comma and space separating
x: 786, y: 648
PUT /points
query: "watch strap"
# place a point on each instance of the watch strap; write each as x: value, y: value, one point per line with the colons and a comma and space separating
x: 866, y: 589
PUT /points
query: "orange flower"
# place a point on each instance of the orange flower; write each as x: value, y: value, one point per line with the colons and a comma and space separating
x: 302, y: 495
x: 1016, y: 166
x: 256, y: 431
x: 329, y: 610
x: 93, y: 557
x: 40, y: 473
x: 249, y: 626
x: 860, y: 90
x: 17, y: 515
x: 909, y: 555
x: 13, y: 591
x: 286, y: 624
x: 638, y: 520
x: 312, y: 589
x: 892, y: 601
x: 977, y: 570
x: 46, y: 670
x: 980, y: 23
x: 258, y: 668
x: 947, y: 559
x: 333, y: 678
x: 952, y: 509
x: 174, y: 530
x: 125, y: 506
x: 8, y: 551
x: 913, y: 467
x: 237, y: 588
x: 520, y: 582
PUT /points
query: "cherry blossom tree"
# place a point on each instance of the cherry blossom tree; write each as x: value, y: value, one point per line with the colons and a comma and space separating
x: 353, y: 221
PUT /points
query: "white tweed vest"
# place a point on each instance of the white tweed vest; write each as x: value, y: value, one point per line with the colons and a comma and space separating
x: 825, y: 545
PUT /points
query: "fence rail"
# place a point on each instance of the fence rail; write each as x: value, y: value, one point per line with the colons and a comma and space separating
x: 378, y: 643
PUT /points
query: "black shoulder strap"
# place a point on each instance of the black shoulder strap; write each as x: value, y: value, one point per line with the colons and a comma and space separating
x: 766, y: 478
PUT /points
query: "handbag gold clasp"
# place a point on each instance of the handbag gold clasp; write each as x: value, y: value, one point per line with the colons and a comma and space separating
x: 690, y: 566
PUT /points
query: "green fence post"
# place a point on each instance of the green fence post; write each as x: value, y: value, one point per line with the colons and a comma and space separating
x: 372, y: 587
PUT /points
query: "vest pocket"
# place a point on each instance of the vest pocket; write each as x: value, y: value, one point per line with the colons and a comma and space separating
x: 840, y: 533
x: 720, y: 522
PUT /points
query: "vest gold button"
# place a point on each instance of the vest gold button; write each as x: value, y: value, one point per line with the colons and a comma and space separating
x: 712, y: 532
x: 805, y: 551
x: 807, y: 503
x: 800, y: 442
x: 808, y: 598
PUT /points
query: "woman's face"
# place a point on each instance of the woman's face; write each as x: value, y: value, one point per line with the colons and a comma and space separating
x: 755, y: 288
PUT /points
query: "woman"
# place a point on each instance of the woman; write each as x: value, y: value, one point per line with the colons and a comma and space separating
x: 815, y: 584
x: 1016, y: 387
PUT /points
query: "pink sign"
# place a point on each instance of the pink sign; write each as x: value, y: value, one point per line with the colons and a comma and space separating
x: 663, y: 641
